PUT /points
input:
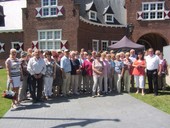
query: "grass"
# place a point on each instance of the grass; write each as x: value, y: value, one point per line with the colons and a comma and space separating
x: 161, y: 102
x: 4, y: 103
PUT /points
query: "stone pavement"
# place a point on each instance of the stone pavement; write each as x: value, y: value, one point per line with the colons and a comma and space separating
x: 112, y: 111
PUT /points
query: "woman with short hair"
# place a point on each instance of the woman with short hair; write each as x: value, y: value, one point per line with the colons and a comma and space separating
x: 14, y: 75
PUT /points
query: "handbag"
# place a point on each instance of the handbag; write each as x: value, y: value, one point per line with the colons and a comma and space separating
x: 9, y: 94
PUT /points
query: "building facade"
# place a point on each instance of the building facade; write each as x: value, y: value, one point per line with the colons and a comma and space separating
x: 151, y: 19
x: 76, y: 24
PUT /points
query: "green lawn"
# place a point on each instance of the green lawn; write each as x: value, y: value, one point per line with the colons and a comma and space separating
x: 5, y: 104
x: 162, y: 101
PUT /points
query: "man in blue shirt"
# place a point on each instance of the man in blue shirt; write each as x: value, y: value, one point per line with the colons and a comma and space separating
x: 66, y: 71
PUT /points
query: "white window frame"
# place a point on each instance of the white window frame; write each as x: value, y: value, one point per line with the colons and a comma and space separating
x: 113, y: 42
x: 156, y: 11
x: 90, y: 15
x: 109, y: 21
x: 49, y: 7
x: 13, y: 43
x: 97, y: 45
x: 107, y: 44
x: 46, y: 40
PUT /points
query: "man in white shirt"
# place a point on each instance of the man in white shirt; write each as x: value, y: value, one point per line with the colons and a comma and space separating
x: 37, y: 68
x: 153, y: 66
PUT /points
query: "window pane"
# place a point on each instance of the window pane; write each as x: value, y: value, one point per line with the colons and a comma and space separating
x: 109, y: 18
x: 53, y: 11
x: 94, y: 46
x: 57, y: 35
x: 50, y: 35
x: 145, y: 15
x: 49, y: 45
x: 53, y: 2
x: 42, y: 35
x: 160, y: 6
x: 57, y: 45
x: 104, y: 45
x: 145, y: 7
x: 42, y: 45
x: 160, y: 15
x: 45, y: 3
x: 152, y: 15
x: 45, y: 11
x: 16, y: 46
x: 153, y: 6
x: 93, y: 15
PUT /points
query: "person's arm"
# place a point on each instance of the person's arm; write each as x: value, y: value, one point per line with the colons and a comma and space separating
x: 95, y: 70
x: 7, y: 64
x: 54, y: 72
x: 29, y: 67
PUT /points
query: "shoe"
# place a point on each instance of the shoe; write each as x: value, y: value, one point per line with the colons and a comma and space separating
x: 137, y: 92
x: 143, y: 94
x: 98, y: 94
x: 13, y: 106
x: 93, y: 96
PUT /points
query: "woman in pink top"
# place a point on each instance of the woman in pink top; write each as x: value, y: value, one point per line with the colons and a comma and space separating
x: 139, y: 72
x: 87, y: 67
x: 105, y: 71
x: 97, y: 67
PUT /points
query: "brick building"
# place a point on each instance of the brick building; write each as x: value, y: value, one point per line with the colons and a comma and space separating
x: 89, y: 24
x: 151, y: 20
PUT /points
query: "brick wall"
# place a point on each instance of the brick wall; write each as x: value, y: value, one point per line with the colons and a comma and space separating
x: 68, y: 23
x: 161, y: 27
x: 7, y: 38
x: 88, y: 32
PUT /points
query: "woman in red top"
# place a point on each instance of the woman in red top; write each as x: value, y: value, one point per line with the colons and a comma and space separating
x: 139, y: 72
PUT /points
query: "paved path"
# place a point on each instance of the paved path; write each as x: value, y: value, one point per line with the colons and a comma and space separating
x: 113, y: 111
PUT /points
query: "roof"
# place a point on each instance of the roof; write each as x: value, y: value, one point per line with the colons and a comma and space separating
x: 13, y: 15
x: 115, y: 7
x: 126, y: 43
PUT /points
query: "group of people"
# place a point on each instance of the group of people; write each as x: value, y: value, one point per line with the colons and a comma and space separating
x: 52, y: 73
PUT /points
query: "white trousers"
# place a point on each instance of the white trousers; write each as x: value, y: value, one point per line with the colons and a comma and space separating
x: 139, y: 80
x: 48, y: 82
x: 97, y: 85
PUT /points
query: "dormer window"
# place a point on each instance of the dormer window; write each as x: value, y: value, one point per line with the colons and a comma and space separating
x: 109, y: 18
x: 92, y: 11
x: 92, y: 15
x: 108, y: 14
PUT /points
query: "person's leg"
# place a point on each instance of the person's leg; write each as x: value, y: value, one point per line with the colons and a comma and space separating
x: 40, y: 83
x: 119, y: 83
x: 23, y: 89
x: 95, y: 85
x: 155, y: 80
x: 76, y: 84
x: 50, y: 86
x: 33, y: 88
x: 136, y: 78
x: 105, y: 84
x: 141, y: 83
x: 149, y: 75
x: 68, y: 83
x: 100, y: 85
